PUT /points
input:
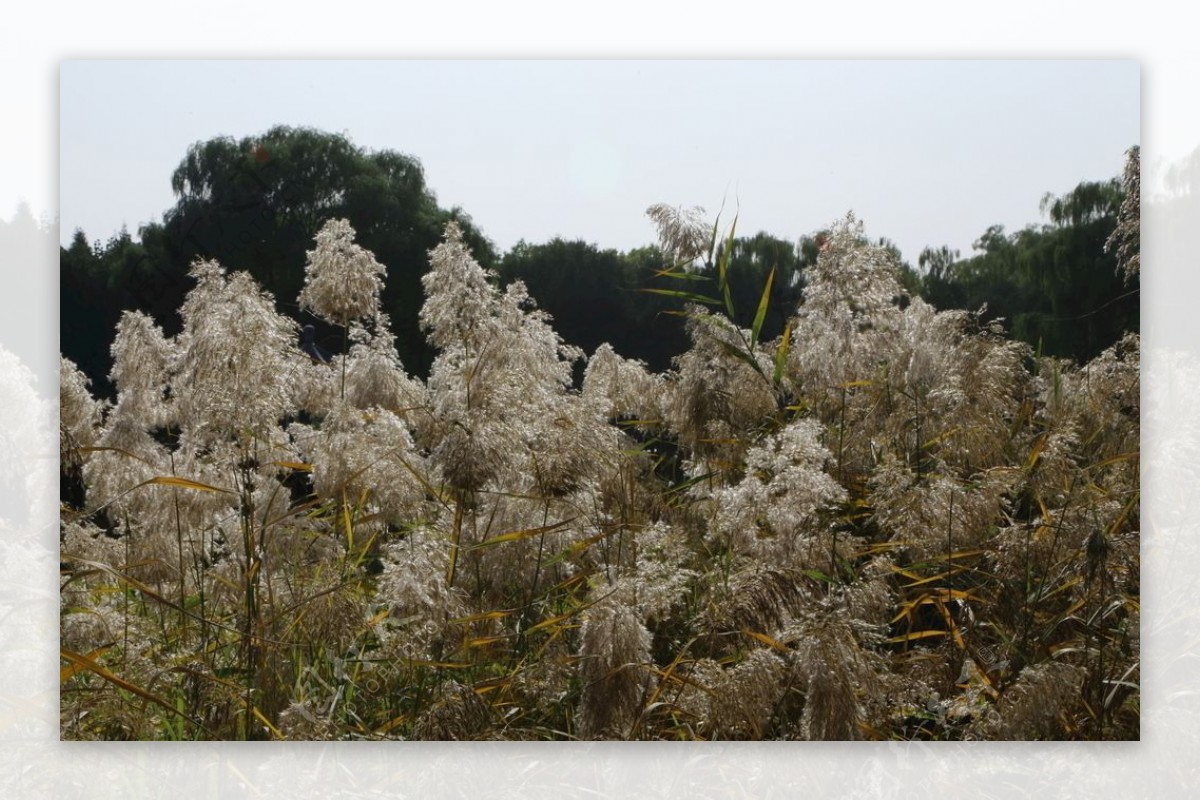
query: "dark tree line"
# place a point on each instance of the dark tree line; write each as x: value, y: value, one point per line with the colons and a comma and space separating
x: 1056, y: 285
x: 256, y: 203
x: 597, y: 296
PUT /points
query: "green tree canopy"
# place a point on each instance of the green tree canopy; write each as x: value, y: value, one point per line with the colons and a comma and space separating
x: 596, y: 296
x: 751, y: 261
x: 1057, y: 285
x: 255, y: 204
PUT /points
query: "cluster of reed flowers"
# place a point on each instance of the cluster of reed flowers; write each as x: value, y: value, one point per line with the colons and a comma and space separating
x: 816, y: 538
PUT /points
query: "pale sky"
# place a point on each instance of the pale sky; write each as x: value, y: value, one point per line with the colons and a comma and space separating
x: 924, y: 152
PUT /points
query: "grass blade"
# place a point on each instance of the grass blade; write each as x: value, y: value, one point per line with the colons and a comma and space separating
x: 184, y: 483
x: 738, y: 353
x: 918, y: 635
x: 521, y: 534
x: 723, y: 268
x: 679, y: 293
x: 767, y: 640
x: 82, y: 662
x: 760, y: 315
x: 73, y: 668
x: 781, y: 354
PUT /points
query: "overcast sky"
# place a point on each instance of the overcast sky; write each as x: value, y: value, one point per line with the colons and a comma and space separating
x: 925, y: 152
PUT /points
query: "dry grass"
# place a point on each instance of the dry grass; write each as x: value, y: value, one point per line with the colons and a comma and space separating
x: 890, y: 524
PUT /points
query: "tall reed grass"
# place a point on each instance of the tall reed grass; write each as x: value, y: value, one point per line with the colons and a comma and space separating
x: 889, y: 523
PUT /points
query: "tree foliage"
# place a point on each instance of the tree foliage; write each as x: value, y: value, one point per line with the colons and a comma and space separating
x: 255, y: 204
x: 1057, y: 286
